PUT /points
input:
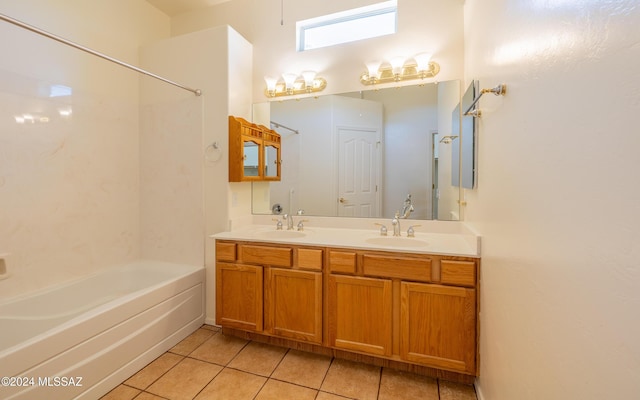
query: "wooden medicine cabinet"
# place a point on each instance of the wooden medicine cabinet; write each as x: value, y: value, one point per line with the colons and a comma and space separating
x: 254, y: 152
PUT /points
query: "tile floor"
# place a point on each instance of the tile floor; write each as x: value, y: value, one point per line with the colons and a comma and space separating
x: 210, y: 365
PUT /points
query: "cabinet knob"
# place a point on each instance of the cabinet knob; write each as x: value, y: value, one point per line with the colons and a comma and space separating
x: 342, y: 200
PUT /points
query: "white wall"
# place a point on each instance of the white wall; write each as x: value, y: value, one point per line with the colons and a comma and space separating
x: 558, y: 204
x: 195, y: 198
x: 423, y: 25
x: 69, y: 187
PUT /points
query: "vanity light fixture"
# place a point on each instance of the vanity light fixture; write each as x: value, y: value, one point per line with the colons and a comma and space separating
x: 400, y: 69
x: 448, y: 139
x: 293, y: 84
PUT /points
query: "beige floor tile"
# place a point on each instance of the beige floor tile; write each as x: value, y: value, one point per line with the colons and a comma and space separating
x: 154, y: 370
x: 148, y: 396
x: 232, y: 384
x: 121, y: 392
x: 302, y: 368
x: 211, y: 328
x: 185, y: 380
x: 191, y: 342
x: 456, y: 391
x: 398, y: 385
x: 330, y: 396
x: 351, y: 379
x: 258, y: 358
x: 219, y: 349
x: 276, y: 390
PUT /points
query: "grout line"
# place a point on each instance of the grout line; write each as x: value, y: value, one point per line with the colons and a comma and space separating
x: 326, y: 373
x: 161, y: 375
x: 379, y: 383
x: 144, y: 391
x: 279, y: 362
x: 211, y: 380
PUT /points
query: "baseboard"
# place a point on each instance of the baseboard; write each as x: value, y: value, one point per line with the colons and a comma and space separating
x: 479, y: 394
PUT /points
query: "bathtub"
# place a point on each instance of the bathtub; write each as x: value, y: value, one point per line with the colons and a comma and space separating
x: 83, y: 338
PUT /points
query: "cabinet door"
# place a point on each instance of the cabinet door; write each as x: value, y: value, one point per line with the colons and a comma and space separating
x: 250, y: 158
x: 438, y: 326
x: 271, y: 161
x: 293, y: 304
x: 360, y: 314
x: 239, y: 296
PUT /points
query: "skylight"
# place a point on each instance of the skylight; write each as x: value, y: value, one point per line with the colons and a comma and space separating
x: 348, y: 26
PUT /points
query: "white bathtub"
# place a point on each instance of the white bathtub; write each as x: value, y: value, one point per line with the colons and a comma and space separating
x: 81, y: 339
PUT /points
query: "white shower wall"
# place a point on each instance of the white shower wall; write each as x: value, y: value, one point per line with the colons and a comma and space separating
x: 69, y: 185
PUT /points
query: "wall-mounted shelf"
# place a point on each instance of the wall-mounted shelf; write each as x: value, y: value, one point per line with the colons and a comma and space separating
x: 254, y: 152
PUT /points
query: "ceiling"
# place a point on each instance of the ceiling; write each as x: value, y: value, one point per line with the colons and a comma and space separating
x: 175, y: 7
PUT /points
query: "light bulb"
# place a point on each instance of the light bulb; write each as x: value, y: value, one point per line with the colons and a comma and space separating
x: 422, y: 61
x: 271, y: 85
x: 396, y: 65
x: 373, y: 68
x: 308, y: 76
x: 289, y: 80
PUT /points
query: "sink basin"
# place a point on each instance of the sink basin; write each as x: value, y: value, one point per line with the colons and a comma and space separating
x: 275, y: 234
x: 396, y: 241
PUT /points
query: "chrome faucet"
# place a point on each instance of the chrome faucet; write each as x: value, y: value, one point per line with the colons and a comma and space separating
x: 289, y: 219
x: 407, y: 208
x: 396, y: 224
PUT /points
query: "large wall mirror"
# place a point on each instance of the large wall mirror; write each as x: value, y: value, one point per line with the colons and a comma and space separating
x: 464, y: 156
x: 365, y: 154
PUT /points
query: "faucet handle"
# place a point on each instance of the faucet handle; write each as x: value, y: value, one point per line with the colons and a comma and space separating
x: 301, y: 224
x: 383, y: 229
x: 411, y: 232
x: 278, y: 224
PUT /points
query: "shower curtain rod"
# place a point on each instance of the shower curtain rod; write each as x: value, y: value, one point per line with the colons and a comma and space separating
x: 277, y: 125
x: 32, y: 28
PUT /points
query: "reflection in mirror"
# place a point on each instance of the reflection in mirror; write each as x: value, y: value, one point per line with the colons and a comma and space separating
x: 250, y: 158
x: 364, y: 154
x: 464, y: 160
x: 270, y: 161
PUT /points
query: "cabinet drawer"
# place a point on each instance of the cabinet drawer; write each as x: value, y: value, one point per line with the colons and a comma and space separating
x: 309, y: 259
x: 461, y: 273
x: 342, y: 261
x: 225, y: 251
x: 412, y: 269
x: 265, y: 255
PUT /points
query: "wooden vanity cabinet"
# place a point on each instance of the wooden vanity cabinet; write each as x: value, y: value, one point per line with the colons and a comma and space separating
x: 415, y: 309
x: 290, y: 289
x: 239, y: 291
x: 254, y: 152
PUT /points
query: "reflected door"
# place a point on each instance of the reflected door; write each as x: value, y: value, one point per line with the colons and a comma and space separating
x: 357, y: 172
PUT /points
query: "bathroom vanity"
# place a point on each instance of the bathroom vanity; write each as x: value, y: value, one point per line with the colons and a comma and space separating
x: 354, y: 294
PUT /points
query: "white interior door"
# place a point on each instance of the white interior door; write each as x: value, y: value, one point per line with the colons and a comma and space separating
x: 358, y: 159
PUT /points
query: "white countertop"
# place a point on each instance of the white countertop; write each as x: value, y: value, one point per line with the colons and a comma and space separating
x: 432, y: 237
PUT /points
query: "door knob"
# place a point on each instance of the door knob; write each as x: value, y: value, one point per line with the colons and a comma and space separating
x: 342, y: 200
